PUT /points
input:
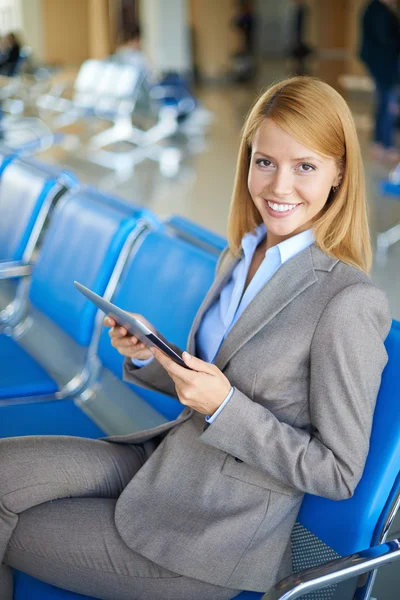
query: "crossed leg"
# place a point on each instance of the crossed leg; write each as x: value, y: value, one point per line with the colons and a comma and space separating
x: 57, y: 503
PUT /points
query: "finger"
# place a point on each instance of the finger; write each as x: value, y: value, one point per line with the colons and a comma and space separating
x: 173, y: 369
x: 109, y: 322
x: 126, y: 342
x: 119, y: 332
x: 198, y: 365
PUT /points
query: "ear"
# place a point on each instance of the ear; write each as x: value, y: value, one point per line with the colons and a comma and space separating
x: 339, y: 177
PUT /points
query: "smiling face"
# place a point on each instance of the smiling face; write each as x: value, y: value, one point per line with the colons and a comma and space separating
x: 289, y: 183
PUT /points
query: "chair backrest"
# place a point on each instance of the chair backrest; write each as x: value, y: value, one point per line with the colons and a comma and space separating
x: 125, y: 80
x: 83, y: 242
x: 89, y: 76
x: 328, y: 529
x: 165, y: 279
x: 118, y: 89
x: 349, y: 525
x: 27, y: 191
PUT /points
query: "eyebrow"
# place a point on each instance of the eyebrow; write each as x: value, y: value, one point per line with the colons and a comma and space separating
x: 314, y: 158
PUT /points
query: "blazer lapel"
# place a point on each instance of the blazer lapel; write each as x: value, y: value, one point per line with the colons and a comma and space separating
x: 292, y: 278
x: 213, y: 293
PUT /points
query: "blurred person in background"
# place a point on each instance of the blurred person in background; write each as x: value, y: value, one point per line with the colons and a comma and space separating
x: 299, y: 51
x: 10, y: 54
x: 244, y: 21
x: 380, y: 51
x: 243, y: 61
x: 131, y: 53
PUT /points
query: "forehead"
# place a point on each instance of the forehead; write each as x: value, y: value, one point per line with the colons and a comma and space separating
x: 269, y: 138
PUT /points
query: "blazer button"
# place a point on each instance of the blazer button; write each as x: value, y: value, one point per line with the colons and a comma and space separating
x: 238, y: 460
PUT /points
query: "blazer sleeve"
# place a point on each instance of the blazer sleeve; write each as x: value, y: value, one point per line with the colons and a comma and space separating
x: 347, y: 357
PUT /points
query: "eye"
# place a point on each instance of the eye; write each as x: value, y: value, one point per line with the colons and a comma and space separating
x: 263, y: 162
x: 308, y: 168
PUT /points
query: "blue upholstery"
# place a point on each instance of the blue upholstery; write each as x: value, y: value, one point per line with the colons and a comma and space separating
x: 28, y: 588
x: 20, y: 373
x: 348, y: 526
x: 165, y: 280
x: 6, y: 157
x: 83, y: 242
x: 60, y: 417
x: 173, y: 92
x: 390, y: 189
x: 24, y: 189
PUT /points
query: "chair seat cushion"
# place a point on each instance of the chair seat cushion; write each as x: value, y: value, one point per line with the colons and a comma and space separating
x: 27, y: 587
x: 20, y: 374
x: 249, y: 596
x: 59, y: 417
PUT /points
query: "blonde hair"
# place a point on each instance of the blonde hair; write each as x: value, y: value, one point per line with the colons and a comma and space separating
x: 318, y: 117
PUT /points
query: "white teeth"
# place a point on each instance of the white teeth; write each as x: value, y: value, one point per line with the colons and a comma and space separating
x: 281, y: 207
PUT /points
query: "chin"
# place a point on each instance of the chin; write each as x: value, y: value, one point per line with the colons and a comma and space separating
x: 282, y: 229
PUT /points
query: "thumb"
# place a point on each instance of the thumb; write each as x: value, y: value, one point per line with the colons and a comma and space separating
x: 197, y: 364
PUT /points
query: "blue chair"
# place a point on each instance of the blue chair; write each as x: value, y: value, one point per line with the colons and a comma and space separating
x: 28, y: 192
x: 179, y: 274
x: 353, y: 531
x: 330, y: 538
x: 173, y: 92
x: 84, y: 241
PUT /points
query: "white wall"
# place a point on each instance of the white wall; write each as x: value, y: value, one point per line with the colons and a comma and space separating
x: 31, y: 26
x: 166, y: 34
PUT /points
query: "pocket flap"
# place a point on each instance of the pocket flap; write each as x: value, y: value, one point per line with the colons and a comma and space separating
x: 243, y: 472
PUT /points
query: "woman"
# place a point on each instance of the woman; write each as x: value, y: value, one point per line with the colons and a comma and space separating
x: 289, y: 345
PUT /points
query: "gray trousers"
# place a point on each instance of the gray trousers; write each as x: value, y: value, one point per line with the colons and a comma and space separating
x: 57, y: 502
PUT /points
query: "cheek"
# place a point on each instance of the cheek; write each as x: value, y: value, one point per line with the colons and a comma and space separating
x: 255, y: 182
x: 315, y: 191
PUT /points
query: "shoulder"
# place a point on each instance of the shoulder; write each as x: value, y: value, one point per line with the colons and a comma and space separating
x: 351, y: 297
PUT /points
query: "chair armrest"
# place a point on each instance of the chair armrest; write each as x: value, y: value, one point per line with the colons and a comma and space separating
x: 12, y: 269
x: 306, y: 581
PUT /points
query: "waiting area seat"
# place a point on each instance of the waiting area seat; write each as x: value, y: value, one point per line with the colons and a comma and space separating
x: 84, y: 240
x: 142, y: 115
x: 165, y: 279
x: 28, y: 192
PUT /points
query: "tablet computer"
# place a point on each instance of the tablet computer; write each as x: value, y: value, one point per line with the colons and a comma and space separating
x: 134, y: 326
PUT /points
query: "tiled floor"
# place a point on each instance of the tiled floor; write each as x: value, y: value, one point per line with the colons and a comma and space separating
x: 202, y: 191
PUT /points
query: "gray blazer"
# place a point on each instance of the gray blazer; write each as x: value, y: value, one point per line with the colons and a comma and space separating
x: 306, y: 359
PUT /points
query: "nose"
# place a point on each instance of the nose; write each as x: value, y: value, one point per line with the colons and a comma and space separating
x: 282, y: 185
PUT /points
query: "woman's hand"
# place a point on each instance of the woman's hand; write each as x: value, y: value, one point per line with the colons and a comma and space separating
x: 203, y: 386
x: 128, y: 345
